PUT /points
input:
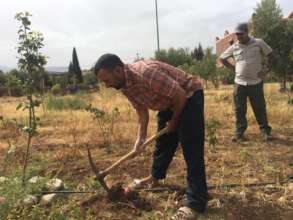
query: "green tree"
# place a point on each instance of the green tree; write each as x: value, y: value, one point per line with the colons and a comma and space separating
x: 71, y: 79
x: 31, y: 61
x: 161, y: 55
x: 200, y: 54
x: 225, y: 75
x: 90, y: 79
x: 76, y: 68
x: 197, y: 53
x: 13, y: 83
x: 267, y: 23
x: 20, y: 75
x: 174, y: 57
x: 207, y: 68
x: 2, y: 78
x: 194, y: 53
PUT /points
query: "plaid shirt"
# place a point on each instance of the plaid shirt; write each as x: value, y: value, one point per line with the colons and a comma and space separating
x: 152, y: 84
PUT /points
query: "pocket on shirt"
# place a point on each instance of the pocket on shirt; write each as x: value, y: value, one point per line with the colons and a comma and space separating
x: 254, y: 53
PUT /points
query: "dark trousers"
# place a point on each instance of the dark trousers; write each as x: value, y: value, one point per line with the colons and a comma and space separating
x: 190, y: 134
x: 255, y: 94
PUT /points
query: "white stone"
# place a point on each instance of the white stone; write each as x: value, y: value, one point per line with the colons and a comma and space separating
x: 11, y: 149
x: 16, y: 180
x: 290, y: 186
x: 270, y: 186
x: 215, y: 203
x: 243, y: 196
x: 54, y: 184
x: 35, y: 179
x: 282, y: 199
x: 3, y: 179
x: 48, y: 199
x: 30, y: 200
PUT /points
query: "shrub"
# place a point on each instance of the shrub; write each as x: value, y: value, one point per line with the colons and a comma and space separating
x: 56, y: 89
x: 211, y: 127
x: 106, y: 122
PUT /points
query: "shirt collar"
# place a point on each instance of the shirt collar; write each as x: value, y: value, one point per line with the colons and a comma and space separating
x: 251, y: 40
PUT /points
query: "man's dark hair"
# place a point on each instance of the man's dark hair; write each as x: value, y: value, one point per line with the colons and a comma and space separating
x: 107, y: 61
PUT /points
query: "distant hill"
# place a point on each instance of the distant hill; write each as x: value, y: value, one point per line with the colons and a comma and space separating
x: 56, y: 69
x: 49, y: 69
x: 5, y: 68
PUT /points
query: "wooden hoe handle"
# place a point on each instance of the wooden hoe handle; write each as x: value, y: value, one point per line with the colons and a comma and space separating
x: 133, y: 153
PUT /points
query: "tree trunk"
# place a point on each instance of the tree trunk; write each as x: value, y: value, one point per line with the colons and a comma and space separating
x: 284, y: 84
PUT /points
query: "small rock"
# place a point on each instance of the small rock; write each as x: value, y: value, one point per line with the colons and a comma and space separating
x: 35, y: 179
x: 11, y: 149
x: 54, y: 184
x: 243, y: 196
x: 290, y: 186
x: 48, y: 199
x: 16, y: 180
x: 30, y: 200
x: 216, y: 203
x: 271, y: 188
x: 282, y: 199
x: 2, y: 200
x: 3, y: 179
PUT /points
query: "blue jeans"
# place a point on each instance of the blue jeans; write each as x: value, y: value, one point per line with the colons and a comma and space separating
x: 190, y: 133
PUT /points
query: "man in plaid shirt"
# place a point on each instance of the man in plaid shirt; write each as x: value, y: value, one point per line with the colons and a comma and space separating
x: 178, y: 97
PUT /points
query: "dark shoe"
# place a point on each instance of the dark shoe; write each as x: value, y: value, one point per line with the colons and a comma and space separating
x: 239, y: 138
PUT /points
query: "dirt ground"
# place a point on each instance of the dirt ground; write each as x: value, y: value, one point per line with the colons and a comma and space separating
x: 59, y: 149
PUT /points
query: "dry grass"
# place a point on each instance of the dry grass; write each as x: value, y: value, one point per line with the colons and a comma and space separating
x: 63, y: 134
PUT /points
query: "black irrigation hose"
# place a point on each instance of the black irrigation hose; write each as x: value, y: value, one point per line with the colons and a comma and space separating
x: 233, y: 185
x: 172, y: 189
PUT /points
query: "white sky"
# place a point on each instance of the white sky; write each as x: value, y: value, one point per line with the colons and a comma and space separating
x: 124, y: 27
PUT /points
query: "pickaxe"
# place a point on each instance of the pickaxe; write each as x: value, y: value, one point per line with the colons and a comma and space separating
x: 97, y: 172
x: 100, y: 175
x: 131, y: 154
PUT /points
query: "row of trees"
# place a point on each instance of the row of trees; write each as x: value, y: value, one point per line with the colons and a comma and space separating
x: 267, y: 22
x: 12, y: 82
x: 197, y: 62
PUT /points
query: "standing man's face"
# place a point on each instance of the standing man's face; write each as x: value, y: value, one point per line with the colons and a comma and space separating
x: 111, y: 77
x: 243, y: 38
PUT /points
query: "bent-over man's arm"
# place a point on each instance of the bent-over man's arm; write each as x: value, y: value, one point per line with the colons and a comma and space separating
x: 143, y: 120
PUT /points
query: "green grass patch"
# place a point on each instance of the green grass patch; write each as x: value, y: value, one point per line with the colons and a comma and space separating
x: 58, y: 103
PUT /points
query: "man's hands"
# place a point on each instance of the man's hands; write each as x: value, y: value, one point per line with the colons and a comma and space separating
x: 228, y: 65
x: 138, y: 145
x: 100, y: 175
x: 143, y: 120
x: 172, y: 126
